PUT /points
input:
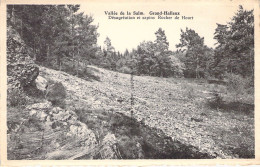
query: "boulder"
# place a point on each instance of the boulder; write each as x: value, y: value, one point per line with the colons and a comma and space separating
x: 42, y: 115
x: 39, y: 110
x: 21, y: 69
x: 40, y: 106
x: 85, y: 139
x: 32, y: 112
x: 109, y: 139
x: 139, y: 151
x: 80, y: 130
x: 85, y: 147
x: 56, y: 110
x: 65, y: 116
x: 56, y: 93
x: 41, y: 83
x: 109, y: 149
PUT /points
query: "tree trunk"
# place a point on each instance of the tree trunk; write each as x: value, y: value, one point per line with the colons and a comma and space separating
x: 60, y: 66
x: 12, y: 17
x: 34, y: 51
x: 132, y: 93
x: 197, y: 68
x: 78, y: 64
x: 21, y: 29
x: 72, y: 35
x: 40, y: 52
x: 251, y: 64
x: 47, y: 55
x: 58, y: 61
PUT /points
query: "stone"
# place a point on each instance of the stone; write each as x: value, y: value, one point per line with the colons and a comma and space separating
x: 80, y: 130
x: 56, y: 110
x: 32, y: 112
x: 49, y: 118
x: 42, y: 115
x: 41, y: 83
x: 139, y: 151
x: 73, y: 129
x: 57, y: 145
x: 109, y: 139
x: 39, y: 110
x: 109, y: 145
x: 40, y: 106
x: 56, y: 93
x: 21, y: 69
x: 63, y: 115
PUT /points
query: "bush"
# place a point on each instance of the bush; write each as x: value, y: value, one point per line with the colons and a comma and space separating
x: 236, y: 84
x: 177, y: 67
x: 56, y: 93
x: 216, y: 101
x: 125, y: 70
x: 128, y: 147
x: 15, y: 98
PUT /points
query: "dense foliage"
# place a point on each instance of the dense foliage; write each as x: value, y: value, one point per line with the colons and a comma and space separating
x: 21, y: 70
x: 56, y: 33
x: 149, y: 58
x: 235, y: 48
x: 63, y: 38
x: 197, y: 55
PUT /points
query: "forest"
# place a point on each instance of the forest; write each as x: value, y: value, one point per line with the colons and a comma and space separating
x: 62, y: 38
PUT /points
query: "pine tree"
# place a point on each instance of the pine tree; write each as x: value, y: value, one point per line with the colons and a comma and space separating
x: 56, y: 33
x: 193, y: 46
x: 235, y: 44
x: 161, y: 40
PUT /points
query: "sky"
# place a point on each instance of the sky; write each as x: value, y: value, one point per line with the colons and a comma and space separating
x: 128, y: 34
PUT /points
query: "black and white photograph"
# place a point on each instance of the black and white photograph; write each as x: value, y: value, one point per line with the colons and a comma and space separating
x: 130, y: 80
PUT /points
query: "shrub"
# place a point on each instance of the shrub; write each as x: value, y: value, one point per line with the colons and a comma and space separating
x: 56, y: 93
x: 15, y: 97
x: 177, y: 66
x: 216, y: 101
x: 128, y: 147
x: 238, y: 85
x: 125, y: 70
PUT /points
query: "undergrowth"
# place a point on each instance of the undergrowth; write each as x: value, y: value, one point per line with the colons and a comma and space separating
x: 136, y: 140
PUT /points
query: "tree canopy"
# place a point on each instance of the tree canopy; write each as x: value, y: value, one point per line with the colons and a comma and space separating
x: 63, y: 38
x: 234, y: 51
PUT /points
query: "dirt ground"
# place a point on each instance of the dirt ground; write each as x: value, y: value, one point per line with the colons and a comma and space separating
x: 179, y: 107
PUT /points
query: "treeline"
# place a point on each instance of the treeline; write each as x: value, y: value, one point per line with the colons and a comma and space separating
x: 234, y: 53
x: 149, y: 58
x: 59, y: 36
x: 63, y: 38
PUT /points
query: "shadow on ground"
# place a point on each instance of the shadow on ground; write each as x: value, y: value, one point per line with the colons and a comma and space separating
x: 238, y: 107
x: 133, y: 135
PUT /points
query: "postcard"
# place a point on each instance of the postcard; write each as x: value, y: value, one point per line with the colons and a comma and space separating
x: 140, y: 83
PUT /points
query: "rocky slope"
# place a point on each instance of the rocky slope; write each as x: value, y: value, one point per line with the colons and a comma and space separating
x: 171, y: 118
x: 164, y: 104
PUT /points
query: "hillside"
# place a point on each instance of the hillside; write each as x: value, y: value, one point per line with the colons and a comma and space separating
x: 192, y: 102
x: 177, y: 107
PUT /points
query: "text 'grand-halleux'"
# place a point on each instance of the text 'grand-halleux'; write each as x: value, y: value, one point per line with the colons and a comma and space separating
x: 142, y: 13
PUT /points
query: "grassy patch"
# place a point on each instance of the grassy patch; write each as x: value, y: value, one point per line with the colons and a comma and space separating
x: 15, y: 97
